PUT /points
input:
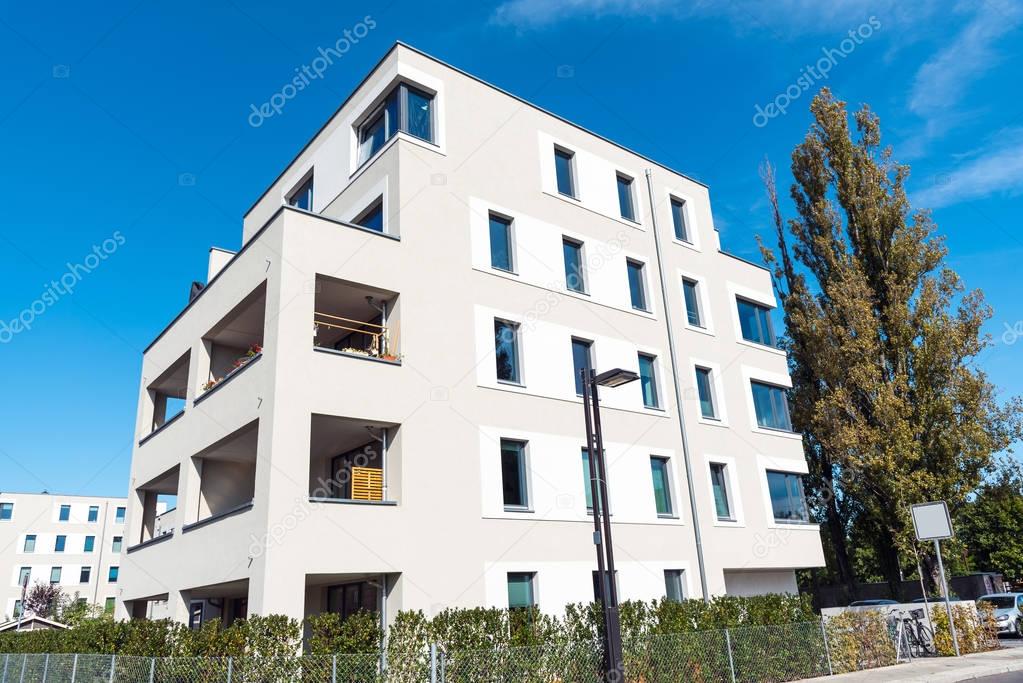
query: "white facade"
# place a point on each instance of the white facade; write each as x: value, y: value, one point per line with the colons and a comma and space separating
x: 72, y: 541
x: 316, y: 478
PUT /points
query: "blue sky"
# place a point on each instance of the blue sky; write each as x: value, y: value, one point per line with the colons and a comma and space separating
x: 127, y: 151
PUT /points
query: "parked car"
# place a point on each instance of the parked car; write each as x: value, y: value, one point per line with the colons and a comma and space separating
x: 872, y: 603
x: 1008, y: 611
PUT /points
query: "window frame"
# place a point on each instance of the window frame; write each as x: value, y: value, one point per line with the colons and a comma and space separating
x: 654, y: 380
x: 113, y: 573
x: 516, y: 343
x: 508, y: 222
x: 119, y: 514
x: 530, y: 582
x: 803, y: 521
x: 305, y: 186
x: 116, y: 544
x: 624, y: 181
x: 693, y: 285
x: 374, y: 206
x: 775, y: 390
x: 6, y: 511
x: 60, y: 543
x: 64, y: 515
x: 569, y: 156
x: 580, y: 247
x: 85, y: 574
x: 711, y: 381
x: 588, y: 343
x: 89, y: 544
x: 758, y: 307
x: 683, y: 206
x: 523, y: 473
x: 639, y: 267
x: 58, y: 572
x: 93, y: 514
x: 675, y: 575
x: 29, y: 538
x: 669, y: 493
x: 381, y: 112
x: 24, y: 575
x: 725, y: 487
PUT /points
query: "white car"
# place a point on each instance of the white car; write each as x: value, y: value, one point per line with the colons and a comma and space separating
x: 1008, y: 611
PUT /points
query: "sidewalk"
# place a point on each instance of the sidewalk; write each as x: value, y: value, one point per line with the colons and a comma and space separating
x: 937, y: 670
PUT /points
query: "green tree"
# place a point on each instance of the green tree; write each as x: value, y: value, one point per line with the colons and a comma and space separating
x: 881, y: 336
x: 990, y: 526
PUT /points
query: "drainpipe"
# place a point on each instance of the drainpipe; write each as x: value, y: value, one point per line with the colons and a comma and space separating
x: 694, y: 510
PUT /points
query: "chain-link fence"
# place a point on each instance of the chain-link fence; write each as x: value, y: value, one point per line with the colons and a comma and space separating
x: 753, y: 654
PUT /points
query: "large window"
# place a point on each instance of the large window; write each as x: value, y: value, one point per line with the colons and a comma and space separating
x: 520, y: 590
x: 513, y: 474
x: 581, y: 360
x: 719, y: 483
x: 501, y: 244
x: 6, y: 511
x: 705, y: 389
x: 574, y: 275
x: 787, y: 499
x: 662, y: 487
x: 637, y: 284
x: 755, y: 323
x: 93, y: 513
x: 674, y: 589
x: 506, y: 350
x: 678, y: 219
x: 648, y: 380
x: 349, y: 598
x: 405, y: 109
x: 771, y: 406
x: 373, y: 217
x: 302, y: 196
x: 65, y: 513
x: 30, y: 543
x: 625, y: 201
x: 690, y: 291
x: 59, y: 543
x: 565, y: 171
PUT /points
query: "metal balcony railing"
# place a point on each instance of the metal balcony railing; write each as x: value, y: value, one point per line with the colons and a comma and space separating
x: 354, y: 336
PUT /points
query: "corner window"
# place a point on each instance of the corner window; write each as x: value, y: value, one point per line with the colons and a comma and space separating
x: 513, y: 474
x: 637, y: 284
x: 662, y: 487
x: 625, y: 203
x: 678, y: 219
x: 648, y: 380
x: 705, y: 389
x: 119, y: 516
x: 55, y: 573
x: 788, y: 501
x: 59, y: 543
x: 755, y: 323
x: 302, y: 196
x: 564, y: 162
x: 520, y: 590
x: 574, y: 275
x: 501, y: 244
x: 405, y: 109
x: 90, y: 543
x: 30, y: 543
x: 93, y: 513
x: 65, y: 513
x: 691, y: 294
x: 373, y: 216
x: 771, y: 406
x: 719, y: 484
x: 6, y: 511
x: 506, y: 351
x: 85, y: 575
x: 674, y: 589
x: 112, y: 574
x: 581, y: 360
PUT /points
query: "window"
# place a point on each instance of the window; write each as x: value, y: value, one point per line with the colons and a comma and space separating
x: 637, y: 284
x: 787, y: 500
x: 6, y: 511
x: 648, y: 381
x: 85, y: 575
x: 112, y: 575
x: 692, y: 296
x: 673, y: 585
x: 564, y: 162
x: 506, y: 350
x: 706, y: 392
x: 678, y: 219
x: 662, y: 487
x: 719, y: 483
x: 771, y: 406
x: 501, y: 244
x: 59, y: 543
x: 108, y: 606
x: 581, y: 360
x: 17, y: 608
x: 90, y: 542
x: 574, y: 275
x: 520, y: 590
x: 65, y: 513
x: 625, y: 203
x: 755, y: 323
x: 372, y: 217
x: 607, y: 586
x: 115, y: 546
x: 119, y: 516
x: 23, y: 576
x: 513, y: 474
x: 349, y: 598
x: 93, y: 513
x: 55, y: 574
x: 302, y: 196
x: 30, y: 543
x: 405, y: 109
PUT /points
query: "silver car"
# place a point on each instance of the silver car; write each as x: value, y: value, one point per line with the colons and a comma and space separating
x: 1008, y: 611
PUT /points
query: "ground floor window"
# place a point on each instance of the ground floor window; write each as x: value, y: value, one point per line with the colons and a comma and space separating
x: 349, y: 598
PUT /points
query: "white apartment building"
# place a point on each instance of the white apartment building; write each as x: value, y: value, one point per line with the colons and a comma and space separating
x: 72, y: 541
x: 373, y: 403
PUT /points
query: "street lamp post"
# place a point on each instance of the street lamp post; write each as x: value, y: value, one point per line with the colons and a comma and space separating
x: 607, y: 590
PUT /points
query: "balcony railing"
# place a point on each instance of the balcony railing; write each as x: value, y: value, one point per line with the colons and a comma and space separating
x: 355, y: 336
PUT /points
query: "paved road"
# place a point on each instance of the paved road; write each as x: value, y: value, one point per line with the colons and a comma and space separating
x: 1010, y: 642
x: 1016, y: 677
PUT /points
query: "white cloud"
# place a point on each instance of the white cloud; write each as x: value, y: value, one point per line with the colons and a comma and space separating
x: 998, y: 168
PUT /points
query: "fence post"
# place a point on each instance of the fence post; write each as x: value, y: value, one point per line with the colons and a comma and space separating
x: 152, y: 669
x: 74, y: 669
x: 113, y: 667
x: 230, y: 668
x: 433, y: 663
x: 24, y: 661
x: 731, y: 662
x: 7, y: 661
x: 333, y: 669
x: 827, y: 648
x: 46, y: 666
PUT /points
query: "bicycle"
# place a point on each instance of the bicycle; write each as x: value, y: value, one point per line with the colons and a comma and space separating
x: 911, y: 633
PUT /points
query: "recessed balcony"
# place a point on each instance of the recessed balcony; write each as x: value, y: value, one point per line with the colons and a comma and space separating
x: 233, y: 343
x: 356, y: 320
x: 353, y: 460
x: 166, y: 396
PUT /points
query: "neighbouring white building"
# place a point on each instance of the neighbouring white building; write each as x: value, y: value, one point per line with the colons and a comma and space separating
x: 72, y: 541
x: 373, y: 402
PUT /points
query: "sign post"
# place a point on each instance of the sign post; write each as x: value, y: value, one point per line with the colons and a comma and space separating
x: 932, y: 522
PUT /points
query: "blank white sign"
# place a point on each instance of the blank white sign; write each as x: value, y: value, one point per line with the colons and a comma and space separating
x: 931, y: 521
